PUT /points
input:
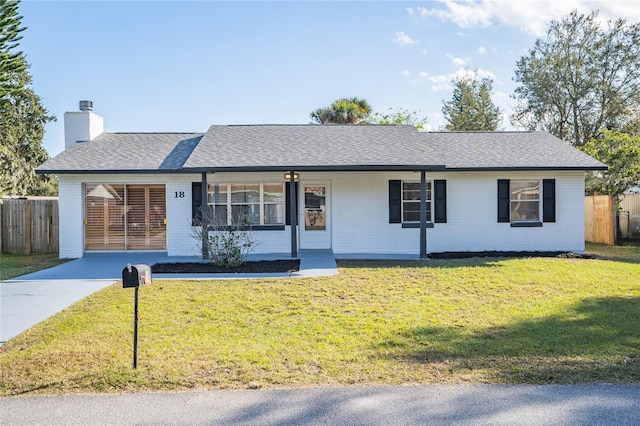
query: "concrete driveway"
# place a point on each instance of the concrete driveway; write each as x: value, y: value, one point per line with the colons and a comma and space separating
x: 31, y: 298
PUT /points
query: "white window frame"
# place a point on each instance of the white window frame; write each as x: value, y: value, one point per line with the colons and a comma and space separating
x: 429, y: 200
x: 211, y: 204
x: 512, y: 200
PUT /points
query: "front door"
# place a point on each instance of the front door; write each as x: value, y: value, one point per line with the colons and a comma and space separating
x: 314, y: 220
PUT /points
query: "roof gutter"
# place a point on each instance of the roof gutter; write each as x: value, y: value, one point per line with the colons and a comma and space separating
x: 346, y: 168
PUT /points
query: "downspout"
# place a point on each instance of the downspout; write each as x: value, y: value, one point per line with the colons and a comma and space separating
x: 423, y: 215
x: 292, y: 214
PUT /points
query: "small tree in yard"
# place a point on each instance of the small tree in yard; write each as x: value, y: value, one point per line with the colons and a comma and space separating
x: 224, y: 245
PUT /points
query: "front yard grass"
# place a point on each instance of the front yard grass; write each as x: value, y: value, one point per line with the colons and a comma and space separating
x: 13, y: 265
x: 534, y: 320
x: 624, y: 251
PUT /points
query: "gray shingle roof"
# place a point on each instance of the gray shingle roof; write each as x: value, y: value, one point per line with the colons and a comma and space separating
x: 506, y: 150
x: 122, y: 152
x: 319, y: 147
x: 307, y: 147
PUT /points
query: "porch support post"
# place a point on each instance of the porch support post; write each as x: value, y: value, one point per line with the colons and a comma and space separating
x: 423, y: 215
x: 205, y: 212
x: 292, y: 214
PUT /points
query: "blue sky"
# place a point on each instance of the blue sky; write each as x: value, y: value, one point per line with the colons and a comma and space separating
x: 182, y: 66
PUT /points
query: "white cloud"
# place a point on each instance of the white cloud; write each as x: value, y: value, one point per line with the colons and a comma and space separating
x: 457, y: 62
x: 532, y: 16
x: 481, y: 50
x: 403, y: 40
x: 466, y: 15
x: 442, y: 82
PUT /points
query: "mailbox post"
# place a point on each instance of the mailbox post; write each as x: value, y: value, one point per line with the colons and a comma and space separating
x: 135, y: 276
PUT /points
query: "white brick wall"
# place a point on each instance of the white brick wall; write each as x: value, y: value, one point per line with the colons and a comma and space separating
x: 361, y: 223
x: 472, y: 216
x: 71, y: 217
x: 359, y: 213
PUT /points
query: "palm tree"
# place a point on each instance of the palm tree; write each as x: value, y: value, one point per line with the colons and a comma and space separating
x: 343, y: 111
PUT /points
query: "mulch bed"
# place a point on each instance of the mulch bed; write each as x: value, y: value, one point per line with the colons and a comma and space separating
x: 261, y: 267
x: 469, y: 254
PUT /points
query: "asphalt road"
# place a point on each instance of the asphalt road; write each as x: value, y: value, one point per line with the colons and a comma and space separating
x: 402, y: 405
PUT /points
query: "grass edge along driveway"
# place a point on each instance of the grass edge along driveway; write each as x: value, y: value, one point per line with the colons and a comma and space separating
x: 536, y: 320
x: 12, y: 265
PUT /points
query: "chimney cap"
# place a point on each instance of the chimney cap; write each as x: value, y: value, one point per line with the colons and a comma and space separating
x: 86, y: 106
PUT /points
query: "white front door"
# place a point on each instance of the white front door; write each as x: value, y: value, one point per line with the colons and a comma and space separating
x: 314, y: 219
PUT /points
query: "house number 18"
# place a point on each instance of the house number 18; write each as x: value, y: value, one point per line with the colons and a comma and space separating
x: 179, y: 194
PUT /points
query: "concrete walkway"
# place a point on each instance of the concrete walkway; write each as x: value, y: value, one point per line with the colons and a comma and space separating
x: 32, y: 298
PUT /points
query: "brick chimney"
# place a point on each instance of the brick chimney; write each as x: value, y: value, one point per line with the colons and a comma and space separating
x: 83, y: 125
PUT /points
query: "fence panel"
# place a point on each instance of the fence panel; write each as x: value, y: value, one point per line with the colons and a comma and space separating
x: 630, y: 216
x: 599, y: 215
x: 29, y: 225
x: 44, y: 235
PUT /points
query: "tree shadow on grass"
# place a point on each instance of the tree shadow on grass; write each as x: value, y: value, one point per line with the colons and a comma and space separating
x: 625, y: 251
x: 598, y: 340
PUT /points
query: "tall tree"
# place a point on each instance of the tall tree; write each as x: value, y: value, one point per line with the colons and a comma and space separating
x: 11, y: 61
x: 399, y: 116
x: 343, y: 111
x: 582, y: 78
x: 22, y: 121
x: 621, y: 152
x: 471, y: 107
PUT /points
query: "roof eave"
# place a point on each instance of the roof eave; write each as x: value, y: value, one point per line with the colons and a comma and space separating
x: 103, y: 171
x: 345, y: 168
x: 525, y: 168
x: 319, y: 168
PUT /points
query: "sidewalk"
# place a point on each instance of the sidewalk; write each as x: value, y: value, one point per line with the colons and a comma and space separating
x: 32, y: 298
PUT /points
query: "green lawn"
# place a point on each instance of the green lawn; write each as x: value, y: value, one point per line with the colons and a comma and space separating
x: 536, y: 320
x: 625, y: 251
x: 12, y: 265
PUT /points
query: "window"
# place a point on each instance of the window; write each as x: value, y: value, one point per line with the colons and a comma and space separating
x: 250, y: 203
x: 525, y: 201
x: 411, y: 202
x: 519, y: 201
x: 404, y: 203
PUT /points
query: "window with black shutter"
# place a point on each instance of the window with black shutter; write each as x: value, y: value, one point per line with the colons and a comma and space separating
x: 287, y: 202
x: 440, y: 201
x: 549, y: 200
x: 395, y: 201
x: 196, y: 202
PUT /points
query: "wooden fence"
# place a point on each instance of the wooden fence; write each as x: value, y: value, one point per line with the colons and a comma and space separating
x: 29, y: 225
x: 600, y: 219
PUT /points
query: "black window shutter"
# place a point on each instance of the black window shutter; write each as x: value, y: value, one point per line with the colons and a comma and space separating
x: 395, y: 201
x: 504, y: 196
x: 548, y: 200
x: 287, y: 216
x: 440, y: 200
x: 196, y: 202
